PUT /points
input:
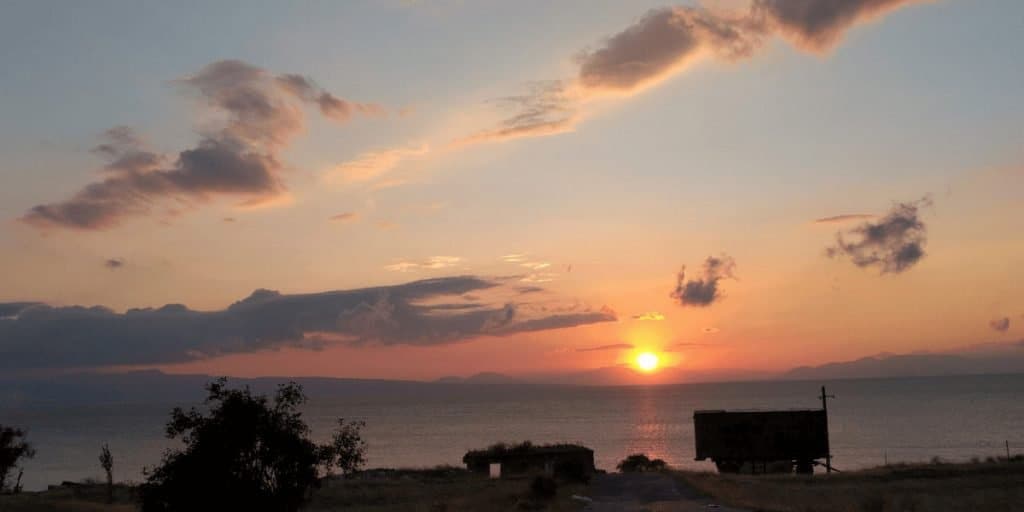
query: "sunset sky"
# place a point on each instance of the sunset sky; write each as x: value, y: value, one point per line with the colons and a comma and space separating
x: 839, y: 179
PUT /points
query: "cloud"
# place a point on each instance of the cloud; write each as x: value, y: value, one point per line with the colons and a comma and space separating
x: 373, y: 164
x: 710, y: 330
x: 649, y: 315
x: 513, y: 258
x: 704, y: 291
x: 530, y: 289
x: 34, y: 335
x: 345, y: 217
x: 661, y: 43
x: 680, y: 346
x: 817, y: 25
x: 539, y: 277
x: 431, y: 263
x: 257, y: 116
x: 114, y: 263
x: 535, y: 265
x: 330, y: 106
x: 1000, y: 324
x: 546, y: 108
x: 614, y: 346
x: 839, y: 219
x: 893, y: 244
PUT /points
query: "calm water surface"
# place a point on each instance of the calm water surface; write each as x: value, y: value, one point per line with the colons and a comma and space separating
x: 954, y: 418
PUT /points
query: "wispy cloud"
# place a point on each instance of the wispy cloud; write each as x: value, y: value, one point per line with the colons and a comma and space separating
x: 683, y: 345
x: 614, y: 346
x: 546, y: 108
x: 649, y: 315
x: 539, y: 277
x: 431, y: 263
x: 345, y: 217
x: 372, y: 165
x: 535, y: 265
x: 114, y: 263
x: 839, y: 219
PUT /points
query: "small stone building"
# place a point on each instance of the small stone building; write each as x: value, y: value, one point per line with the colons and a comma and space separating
x: 568, y: 461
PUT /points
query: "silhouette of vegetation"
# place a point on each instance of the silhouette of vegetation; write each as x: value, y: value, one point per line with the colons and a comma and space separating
x: 107, y: 463
x: 347, y: 450
x: 640, y: 463
x: 525, y: 447
x: 543, y: 487
x: 13, y: 448
x: 246, y: 453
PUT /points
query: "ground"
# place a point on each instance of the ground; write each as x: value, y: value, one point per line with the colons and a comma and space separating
x: 989, y: 486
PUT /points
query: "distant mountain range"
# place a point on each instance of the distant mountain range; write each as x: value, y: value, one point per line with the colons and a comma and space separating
x: 156, y: 387
x: 481, y: 378
x: 911, y: 365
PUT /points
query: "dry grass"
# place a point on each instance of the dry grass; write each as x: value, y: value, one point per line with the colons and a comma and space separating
x: 86, y: 498
x: 988, y: 486
x: 437, y: 491
x: 433, y: 490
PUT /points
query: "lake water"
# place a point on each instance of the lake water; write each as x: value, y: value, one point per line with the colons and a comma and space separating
x: 916, y: 419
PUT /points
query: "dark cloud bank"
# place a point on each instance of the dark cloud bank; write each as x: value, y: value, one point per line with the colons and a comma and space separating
x: 261, y: 114
x: 428, y: 312
x: 704, y: 290
x: 893, y: 244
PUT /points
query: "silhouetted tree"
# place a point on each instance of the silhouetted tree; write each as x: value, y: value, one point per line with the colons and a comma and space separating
x: 246, y: 453
x: 13, y: 448
x: 639, y: 463
x: 347, y: 450
x: 107, y: 462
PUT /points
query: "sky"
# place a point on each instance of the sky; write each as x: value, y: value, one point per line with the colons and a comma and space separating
x: 417, y: 189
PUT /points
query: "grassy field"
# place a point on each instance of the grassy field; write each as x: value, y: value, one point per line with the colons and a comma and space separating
x: 981, y: 486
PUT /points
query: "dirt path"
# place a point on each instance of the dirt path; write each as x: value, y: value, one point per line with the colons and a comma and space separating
x: 653, y: 492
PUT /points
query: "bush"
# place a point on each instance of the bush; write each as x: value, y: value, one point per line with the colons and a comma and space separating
x: 639, y: 463
x: 13, y: 448
x: 246, y: 453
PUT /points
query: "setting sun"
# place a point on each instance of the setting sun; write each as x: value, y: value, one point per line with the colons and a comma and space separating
x: 647, y: 361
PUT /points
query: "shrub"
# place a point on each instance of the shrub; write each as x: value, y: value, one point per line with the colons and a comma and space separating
x: 13, y: 448
x: 640, y: 463
x: 246, y: 453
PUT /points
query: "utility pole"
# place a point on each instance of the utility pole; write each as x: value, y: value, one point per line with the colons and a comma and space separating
x: 828, y: 448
